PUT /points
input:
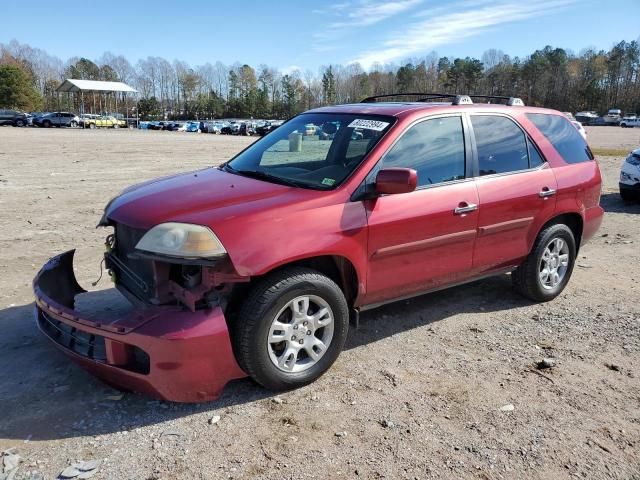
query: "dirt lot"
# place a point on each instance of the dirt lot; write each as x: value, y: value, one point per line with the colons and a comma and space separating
x: 419, y: 391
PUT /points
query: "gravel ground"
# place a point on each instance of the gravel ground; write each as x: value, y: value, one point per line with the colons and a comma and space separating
x: 442, y: 386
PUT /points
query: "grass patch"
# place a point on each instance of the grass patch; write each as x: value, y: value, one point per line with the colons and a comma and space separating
x: 610, y: 152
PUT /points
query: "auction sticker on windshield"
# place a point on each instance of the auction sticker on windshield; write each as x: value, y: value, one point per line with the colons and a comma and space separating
x: 376, y: 125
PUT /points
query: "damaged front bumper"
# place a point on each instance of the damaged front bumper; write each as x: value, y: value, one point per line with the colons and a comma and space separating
x: 163, y: 351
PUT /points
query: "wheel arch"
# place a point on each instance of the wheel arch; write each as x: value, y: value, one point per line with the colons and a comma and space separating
x: 573, y: 220
x: 338, y: 268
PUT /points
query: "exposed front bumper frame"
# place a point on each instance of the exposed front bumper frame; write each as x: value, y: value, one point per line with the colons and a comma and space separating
x: 190, y: 354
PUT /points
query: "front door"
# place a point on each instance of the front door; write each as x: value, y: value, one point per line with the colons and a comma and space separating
x: 423, y: 239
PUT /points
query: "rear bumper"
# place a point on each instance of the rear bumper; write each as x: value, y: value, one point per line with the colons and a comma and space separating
x: 592, y: 220
x: 164, y: 352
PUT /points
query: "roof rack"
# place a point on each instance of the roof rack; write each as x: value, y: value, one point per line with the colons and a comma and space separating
x: 457, y: 99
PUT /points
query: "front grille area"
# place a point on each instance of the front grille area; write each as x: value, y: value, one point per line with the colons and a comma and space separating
x: 135, y: 274
x: 88, y: 345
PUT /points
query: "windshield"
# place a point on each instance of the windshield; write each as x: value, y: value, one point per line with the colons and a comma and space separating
x: 313, y: 150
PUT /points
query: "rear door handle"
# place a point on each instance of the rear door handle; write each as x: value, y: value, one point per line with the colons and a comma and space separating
x: 546, y: 192
x: 465, y: 207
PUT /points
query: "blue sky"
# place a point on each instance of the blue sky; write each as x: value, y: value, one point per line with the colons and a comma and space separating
x: 307, y: 35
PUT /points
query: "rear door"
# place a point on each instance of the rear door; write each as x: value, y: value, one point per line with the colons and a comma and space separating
x: 423, y: 239
x: 516, y: 190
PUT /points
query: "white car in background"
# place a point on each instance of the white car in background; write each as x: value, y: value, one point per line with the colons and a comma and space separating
x: 630, y: 122
x: 630, y: 177
x: 580, y: 128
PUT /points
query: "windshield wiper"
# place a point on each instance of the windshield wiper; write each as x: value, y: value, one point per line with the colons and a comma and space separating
x: 261, y: 175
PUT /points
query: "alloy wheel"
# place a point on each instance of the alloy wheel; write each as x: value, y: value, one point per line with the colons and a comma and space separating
x: 554, y: 263
x: 300, y: 333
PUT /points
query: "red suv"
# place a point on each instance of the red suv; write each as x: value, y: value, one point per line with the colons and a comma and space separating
x: 256, y: 267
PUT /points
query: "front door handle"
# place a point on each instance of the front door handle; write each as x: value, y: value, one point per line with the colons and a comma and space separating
x: 546, y: 192
x: 465, y: 207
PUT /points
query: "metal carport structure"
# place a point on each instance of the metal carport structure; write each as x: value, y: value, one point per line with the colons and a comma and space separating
x: 75, y: 86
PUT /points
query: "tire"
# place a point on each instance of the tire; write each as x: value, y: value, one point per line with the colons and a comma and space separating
x: 19, y: 123
x: 74, y: 124
x: 628, y: 196
x: 527, y: 278
x: 46, y: 124
x: 92, y: 126
x: 274, y: 298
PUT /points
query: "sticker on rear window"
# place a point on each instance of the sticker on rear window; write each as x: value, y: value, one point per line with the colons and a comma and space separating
x: 328, y: 181
x: 376, y: 125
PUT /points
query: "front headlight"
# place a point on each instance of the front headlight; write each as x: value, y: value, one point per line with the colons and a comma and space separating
x: 182, y: 240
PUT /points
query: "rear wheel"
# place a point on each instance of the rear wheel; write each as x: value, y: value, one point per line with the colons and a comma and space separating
x: 46, y: 124
x: 291, y: 328
x: 547, y: 269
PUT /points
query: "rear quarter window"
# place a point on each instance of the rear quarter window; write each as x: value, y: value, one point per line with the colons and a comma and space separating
x: 564, y: 137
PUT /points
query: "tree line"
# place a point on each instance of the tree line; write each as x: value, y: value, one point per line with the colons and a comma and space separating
x: 550, y: 77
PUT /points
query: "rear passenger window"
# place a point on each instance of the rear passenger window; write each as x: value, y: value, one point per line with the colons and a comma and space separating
x: 434, y: 148
x: 502, y: 146
x: 564, y: 137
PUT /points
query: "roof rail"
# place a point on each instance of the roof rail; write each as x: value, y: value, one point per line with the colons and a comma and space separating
x: 457, y: 99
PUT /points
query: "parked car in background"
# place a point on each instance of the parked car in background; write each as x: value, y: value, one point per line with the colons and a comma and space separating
x: 193, y: 127
x: 587, y: 117
x: 156, y: 125
x: 229, y: 128
x: 267, y: 127
x: 177, y: 127
x: 13, y: 117
x: 569, y: 115
x: 88, y: 120
x: 57, y: 119
x: 580, y: 128
x: 116, y: 122
x: 613, y: 116
x: 630, y: 177
x: 246, y: 129
x: 257, y: 266
x: 211, y: 127
x: 630, y: 122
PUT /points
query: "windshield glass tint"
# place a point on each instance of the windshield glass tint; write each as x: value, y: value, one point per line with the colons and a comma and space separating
x: 312, y: 150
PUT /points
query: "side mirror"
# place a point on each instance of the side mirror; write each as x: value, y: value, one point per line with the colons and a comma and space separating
x: 396, y: 180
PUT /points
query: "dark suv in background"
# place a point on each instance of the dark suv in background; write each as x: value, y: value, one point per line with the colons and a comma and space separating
x: 13, y: 117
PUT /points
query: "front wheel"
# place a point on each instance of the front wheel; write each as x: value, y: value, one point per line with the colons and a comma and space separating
x: 19, y: 123
x: 74, y: 124
x: 547, y: 269
x: 291, y: 328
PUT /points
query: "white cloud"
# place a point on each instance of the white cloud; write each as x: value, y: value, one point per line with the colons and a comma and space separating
x: 438, y: 28
x: 367, y: 12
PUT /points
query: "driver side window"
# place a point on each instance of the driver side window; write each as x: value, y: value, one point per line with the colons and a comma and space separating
x: 434, y: 148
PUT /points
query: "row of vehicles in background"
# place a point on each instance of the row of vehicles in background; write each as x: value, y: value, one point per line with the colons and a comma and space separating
x: 613, y: 117
x: 59, y: 119
x: 218, y: 127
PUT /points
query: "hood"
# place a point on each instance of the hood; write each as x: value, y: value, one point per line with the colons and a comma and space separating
x: 211, y: 193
